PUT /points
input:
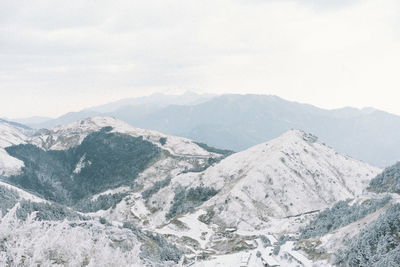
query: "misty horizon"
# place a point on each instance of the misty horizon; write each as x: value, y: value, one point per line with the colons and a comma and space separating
x: 62, y: 57
x: 47, y: 116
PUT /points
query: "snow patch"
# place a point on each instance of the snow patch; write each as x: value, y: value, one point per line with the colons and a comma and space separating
x: 81, y: 164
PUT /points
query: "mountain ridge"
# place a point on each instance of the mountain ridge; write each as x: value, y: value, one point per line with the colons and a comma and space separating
x: 237, y: 122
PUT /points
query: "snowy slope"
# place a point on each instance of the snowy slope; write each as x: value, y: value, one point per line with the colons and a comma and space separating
x: 10, y: 135
x: 334, y: 240
x: 22, y: 193
x: 66, y: 243
x: 64, y: 137
x: 288, y: 176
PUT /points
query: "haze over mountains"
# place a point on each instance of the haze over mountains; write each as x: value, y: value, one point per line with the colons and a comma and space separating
x: 237, y: 122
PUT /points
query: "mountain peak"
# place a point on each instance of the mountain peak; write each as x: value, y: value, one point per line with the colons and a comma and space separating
x: 290, y: 140
x: 99, y: 121
x: 299, y: 134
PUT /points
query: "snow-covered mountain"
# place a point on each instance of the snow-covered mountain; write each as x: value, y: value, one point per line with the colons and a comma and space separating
x: 70, y: 135
x: 94, y: 151
x: 288, y: 176
x: 43, y: 163
x: 10, y: 134
x: 146, y: 198
x: 270, y: 189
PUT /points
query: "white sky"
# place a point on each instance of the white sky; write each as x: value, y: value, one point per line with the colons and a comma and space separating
x: 60, y: 56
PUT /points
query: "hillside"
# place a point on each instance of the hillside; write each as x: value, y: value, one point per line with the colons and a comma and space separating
x: 72, y: 162
x: 76, y: 172
x: 288, y: 176
x: 387, y: 181
x: 36, y: 232
x: 10, y: 134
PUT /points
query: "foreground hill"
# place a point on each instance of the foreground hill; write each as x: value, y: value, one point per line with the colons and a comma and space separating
x: 59, y: 181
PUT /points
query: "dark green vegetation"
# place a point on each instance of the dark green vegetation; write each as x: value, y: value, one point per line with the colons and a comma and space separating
x: 155, y: 246
x: 108, y: 160
x: 47, y: 212
x: 282, y: 240
x: 186, y: 200
x: 103, y: 202
x: 377, y: 245
x: 163, y: 140
x: 211, y: 149
x: 146, y: 194
x: 387, y: 181
x: 266, y: 242
x: 44, y: 211
x: 341, y: 214
x: 8, y: 199
x: 163, y: 251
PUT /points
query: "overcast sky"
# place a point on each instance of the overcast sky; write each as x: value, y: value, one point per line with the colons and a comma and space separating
x: 60, y: 56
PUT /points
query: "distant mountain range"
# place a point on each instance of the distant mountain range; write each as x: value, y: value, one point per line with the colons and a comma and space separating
x: 125, y: 109
x: 237, y: 122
